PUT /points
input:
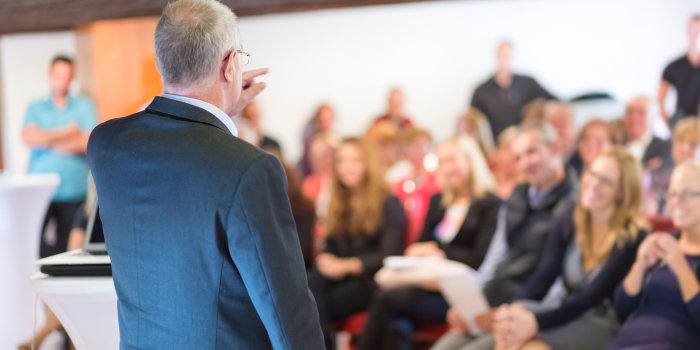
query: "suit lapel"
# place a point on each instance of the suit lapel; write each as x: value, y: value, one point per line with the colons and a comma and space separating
x: 181, y: 110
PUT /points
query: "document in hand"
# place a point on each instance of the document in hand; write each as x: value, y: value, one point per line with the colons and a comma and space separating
x: 459, y: 285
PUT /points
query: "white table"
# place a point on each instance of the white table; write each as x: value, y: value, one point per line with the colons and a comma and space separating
x: 23, y: 203
x: 86, y: 306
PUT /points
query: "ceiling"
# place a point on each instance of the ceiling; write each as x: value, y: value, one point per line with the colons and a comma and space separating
x: 17, y: 16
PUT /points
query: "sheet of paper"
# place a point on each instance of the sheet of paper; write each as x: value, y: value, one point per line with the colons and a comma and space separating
x: 459, y: 286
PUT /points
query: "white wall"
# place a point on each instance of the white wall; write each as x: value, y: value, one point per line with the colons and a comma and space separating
x: 438, y: 52
x: 25, y: 63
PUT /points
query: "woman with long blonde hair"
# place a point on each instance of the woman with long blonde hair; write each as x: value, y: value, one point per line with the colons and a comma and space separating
x: 459, y: 225
x: 660, y: 297
x: 365, y: 224
x: 591, y: 252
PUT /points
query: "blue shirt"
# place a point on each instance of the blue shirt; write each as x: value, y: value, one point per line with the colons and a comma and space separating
x: 72, y: 168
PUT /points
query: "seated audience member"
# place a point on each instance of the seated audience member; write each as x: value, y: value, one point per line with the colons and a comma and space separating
x: 660, y: 297
x: 394, y: 112
x: 595, y: 137
x: 475, y: 124
x: 321, y: 123
x: 560, y: 116
x: 252, y: 114
x: 365, y: 225
x: 684, y: 143
x: 617, y: 128
x: 527, y: 217
x: 459, y: 226
x: 317, y: 185
x: 591, y: 253
x: 533, y: 111
x: 502, y: 97
x: 303, y: 212
x: 503, y: 163
x: 650, y: 150
x: 415, y: 190
x: 384, y: 136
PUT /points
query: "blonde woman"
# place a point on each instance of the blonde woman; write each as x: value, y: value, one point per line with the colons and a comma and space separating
x: 661, y: 294
x: 591, y: 252
x: 459, y: 225
x: 365, y: 224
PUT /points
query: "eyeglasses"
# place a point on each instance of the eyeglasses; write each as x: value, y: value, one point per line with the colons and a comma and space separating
x: 683, y: 195
x: 603, y: 179
x: 243, y: 57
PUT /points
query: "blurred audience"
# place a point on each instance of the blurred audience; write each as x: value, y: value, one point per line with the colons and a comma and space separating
x: 683, y: 75
x: 502, y: 97
x: 395, y: 113
x: 317, y: 185
x: 415, y: 191
x: 595, y: 138
x: 560, y: 116
x: 503, y: 163
x: 459, y: 226
x: 320, y: 123
x: 650, y: 150
x: 475, y: 124
x: 385, y: 137
x: 365, y: 224
x: 252, y: 114
x: 303, y: 211
x: 684, y: 144
x: 660, y: 297
x: 591, y: 253
x: 525, y: 220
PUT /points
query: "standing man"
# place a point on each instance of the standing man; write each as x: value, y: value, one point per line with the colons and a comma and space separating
x: 204, y: 249
x: 683, y: 75
x: 56, y: 128
x: 502, y: 97
x: 394, y: 111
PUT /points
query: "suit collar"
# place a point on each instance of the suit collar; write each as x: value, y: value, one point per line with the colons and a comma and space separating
x: 182, y: 110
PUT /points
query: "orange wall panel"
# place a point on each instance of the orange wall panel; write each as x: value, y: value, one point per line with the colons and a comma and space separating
x: 118, y: 65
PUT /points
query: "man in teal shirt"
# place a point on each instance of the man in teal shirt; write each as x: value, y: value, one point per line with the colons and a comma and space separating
x: 56, y: 128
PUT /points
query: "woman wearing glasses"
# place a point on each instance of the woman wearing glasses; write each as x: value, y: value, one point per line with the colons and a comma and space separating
x: 591, y: 253
x: 660, y: 295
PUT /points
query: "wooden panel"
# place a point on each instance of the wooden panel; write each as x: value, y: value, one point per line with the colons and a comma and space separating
x: 117, y: 65
x: 37, y: 15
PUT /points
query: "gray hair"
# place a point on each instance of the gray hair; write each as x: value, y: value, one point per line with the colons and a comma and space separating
x: 545, y: 130
x: 192, y: 37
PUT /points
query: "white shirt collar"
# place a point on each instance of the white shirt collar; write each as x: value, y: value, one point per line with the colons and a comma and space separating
x: 218, y: 113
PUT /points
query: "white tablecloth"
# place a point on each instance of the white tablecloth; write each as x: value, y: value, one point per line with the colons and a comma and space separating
x: 86, y: 306
x: 23, y: 203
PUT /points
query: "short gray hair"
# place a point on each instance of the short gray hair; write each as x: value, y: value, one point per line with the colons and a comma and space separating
x: 545, y: 130
x: 192, y: 37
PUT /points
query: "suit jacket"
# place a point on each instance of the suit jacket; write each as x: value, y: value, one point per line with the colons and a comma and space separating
x: 472, y: 241
x: 199, y: 229
x: 527, y: 228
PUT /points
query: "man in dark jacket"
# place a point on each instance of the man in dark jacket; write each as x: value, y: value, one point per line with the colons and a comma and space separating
x: 197, y: 222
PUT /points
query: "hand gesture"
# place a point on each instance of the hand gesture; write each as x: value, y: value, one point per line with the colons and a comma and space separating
x: 513, y: 326
x: 649, y: 252
x: 330, y: 266
x: 249, y: 88
x: 671, y: 252
x: 456, y: 322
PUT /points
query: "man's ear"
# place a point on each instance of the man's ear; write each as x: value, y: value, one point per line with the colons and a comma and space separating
x: 228, y: 67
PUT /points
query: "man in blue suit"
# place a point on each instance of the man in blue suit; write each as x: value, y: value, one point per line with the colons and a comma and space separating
x: 197, y: 222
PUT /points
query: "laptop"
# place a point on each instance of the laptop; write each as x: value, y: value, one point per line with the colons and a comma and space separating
x: 91, y: 260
